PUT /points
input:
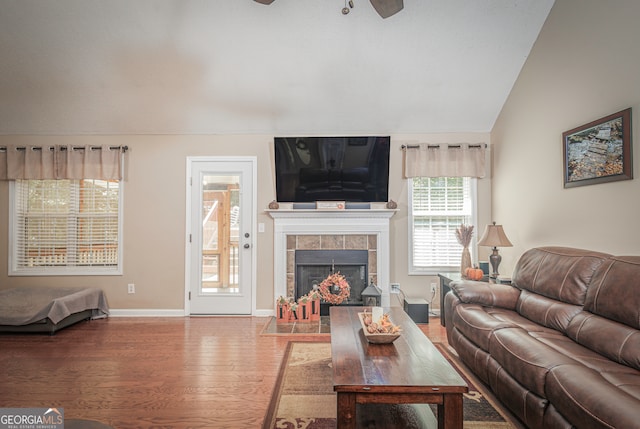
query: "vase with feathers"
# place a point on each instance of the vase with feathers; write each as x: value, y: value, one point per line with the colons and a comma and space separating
x: 463, y: 235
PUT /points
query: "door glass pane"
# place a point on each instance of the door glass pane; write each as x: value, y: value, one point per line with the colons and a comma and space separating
x: 220, y: 234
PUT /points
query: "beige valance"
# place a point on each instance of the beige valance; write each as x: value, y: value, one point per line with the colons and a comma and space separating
x: 61, y: 162
x: 444, y: 160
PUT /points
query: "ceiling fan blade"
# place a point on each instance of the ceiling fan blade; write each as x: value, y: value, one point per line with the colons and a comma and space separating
x: 386, y: 8
x: 264, y: 1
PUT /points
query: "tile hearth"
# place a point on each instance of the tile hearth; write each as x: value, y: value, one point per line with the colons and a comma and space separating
x: 319, y: 327
x: 433, y: 329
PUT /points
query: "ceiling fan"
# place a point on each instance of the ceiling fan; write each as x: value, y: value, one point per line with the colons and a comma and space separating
x: 385, y: 8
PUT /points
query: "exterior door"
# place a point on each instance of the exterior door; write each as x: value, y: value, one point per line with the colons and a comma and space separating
x: 221, y: 247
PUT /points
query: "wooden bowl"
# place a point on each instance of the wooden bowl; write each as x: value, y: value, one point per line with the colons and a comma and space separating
x: 376, y: 338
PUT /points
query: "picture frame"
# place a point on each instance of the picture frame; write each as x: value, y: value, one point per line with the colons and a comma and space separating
x: 598, y: 152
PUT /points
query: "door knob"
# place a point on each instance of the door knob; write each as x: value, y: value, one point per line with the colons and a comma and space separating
x: 246, y: 246
x: 246, y: 235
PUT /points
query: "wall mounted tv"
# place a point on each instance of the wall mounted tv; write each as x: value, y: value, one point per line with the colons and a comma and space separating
x: 352, y: 169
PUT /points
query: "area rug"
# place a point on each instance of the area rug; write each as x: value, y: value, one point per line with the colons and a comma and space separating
x: 303, y: 398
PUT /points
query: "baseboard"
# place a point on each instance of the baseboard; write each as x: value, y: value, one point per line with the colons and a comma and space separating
x: 143, y: 312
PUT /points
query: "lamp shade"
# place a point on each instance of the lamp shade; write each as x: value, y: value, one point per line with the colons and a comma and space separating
x: 494, y: 236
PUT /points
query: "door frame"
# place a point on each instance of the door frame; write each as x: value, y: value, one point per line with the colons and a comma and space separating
x: 188, y: 248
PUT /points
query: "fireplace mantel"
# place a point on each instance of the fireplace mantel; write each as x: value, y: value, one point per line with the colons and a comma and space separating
x: 325, y: 222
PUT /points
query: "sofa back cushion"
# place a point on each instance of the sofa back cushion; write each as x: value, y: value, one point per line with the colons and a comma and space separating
x: 545, y: 311
x: 615, y: 291
x: 616, y: 341
x: 554, y: 282
x: 610, y: 322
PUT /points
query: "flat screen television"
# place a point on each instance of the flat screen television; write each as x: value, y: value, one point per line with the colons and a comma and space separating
x: 351, y: 169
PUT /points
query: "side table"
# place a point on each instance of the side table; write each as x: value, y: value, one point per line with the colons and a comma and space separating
x: 445, y: 280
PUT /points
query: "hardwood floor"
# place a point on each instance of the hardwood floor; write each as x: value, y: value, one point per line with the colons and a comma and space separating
x: 205, y: 372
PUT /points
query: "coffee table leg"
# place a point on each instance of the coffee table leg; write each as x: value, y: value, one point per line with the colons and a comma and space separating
x: 450, y: 413
x: 346, y: 418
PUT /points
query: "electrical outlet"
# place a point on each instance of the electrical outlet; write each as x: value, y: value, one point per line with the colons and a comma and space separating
x: 433, y: 288
x: 395, y: 287
x: 131, y: 288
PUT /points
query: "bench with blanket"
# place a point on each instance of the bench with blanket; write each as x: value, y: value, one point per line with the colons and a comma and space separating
x: 48, y: 309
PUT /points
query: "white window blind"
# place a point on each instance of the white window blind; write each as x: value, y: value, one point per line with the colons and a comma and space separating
x: 438, y: 206
x: 66, y: 227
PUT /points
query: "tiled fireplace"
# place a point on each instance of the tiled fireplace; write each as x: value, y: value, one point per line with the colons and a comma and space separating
x: 355, y: 242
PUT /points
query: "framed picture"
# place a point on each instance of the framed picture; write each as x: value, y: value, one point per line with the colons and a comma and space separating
x: 599, y: 151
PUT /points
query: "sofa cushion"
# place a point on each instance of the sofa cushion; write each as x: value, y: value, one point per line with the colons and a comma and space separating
x: 477, y: 324
x: 587, y: 399
x: 615, y: 291
x: 525, y: 358
x: 546, y: 311
x: 613, y: 340
x: 587, y: 357
x: 559, y: 273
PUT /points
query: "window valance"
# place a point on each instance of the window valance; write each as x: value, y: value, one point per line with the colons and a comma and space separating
x: 61, y: 162
x: 444, y: 160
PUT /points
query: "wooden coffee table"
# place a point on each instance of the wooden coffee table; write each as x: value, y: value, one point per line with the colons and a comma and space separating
x: 408, y: 371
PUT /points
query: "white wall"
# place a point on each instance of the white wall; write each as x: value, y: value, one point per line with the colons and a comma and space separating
x: 584, y: 66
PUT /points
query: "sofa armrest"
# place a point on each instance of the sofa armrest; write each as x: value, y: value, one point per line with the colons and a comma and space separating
x: 483, y: 293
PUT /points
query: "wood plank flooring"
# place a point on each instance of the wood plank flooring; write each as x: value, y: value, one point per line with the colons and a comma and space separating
x: 205, y: 372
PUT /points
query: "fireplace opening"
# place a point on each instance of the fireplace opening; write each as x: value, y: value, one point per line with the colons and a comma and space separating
x: 313, y: 266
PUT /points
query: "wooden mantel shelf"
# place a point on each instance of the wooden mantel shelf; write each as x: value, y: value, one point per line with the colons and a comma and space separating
x: 320, y: 213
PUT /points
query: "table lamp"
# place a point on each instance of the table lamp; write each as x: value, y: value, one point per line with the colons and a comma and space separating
x: 495, y: 237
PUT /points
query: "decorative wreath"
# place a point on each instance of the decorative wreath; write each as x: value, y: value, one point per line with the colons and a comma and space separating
x: 328, y: 285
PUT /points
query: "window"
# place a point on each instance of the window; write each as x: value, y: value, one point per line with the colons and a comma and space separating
x: 438, y: 205
x: 65, y: 227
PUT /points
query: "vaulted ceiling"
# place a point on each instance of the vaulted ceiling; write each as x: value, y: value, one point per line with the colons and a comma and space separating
x: 240, y: 67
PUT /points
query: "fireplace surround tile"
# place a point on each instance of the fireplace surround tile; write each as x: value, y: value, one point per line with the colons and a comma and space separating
x: 291, y: 242
x: 356, y: 242
x: 373, y: 262
x: 332, y: 242
x: 329, y: 242
x: 308, y: 242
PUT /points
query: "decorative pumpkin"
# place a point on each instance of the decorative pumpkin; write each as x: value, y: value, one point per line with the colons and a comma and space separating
x: 474, y: 273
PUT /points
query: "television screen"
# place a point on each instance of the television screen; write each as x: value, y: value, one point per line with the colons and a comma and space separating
x: 352, y: 169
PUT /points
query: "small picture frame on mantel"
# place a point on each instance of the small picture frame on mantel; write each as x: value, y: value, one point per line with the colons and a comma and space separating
x: 330, y: 205
x: 599, y: 151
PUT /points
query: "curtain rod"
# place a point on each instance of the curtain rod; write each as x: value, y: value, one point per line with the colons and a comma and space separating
x: 63, y: 148
x: 416, y: 146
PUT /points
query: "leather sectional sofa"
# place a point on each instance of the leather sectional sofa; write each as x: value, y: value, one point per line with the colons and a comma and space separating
x: 560, y: 347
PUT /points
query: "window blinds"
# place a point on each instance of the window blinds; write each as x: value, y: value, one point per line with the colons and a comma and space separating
x: 439, y: 206
x: 66, y: 224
